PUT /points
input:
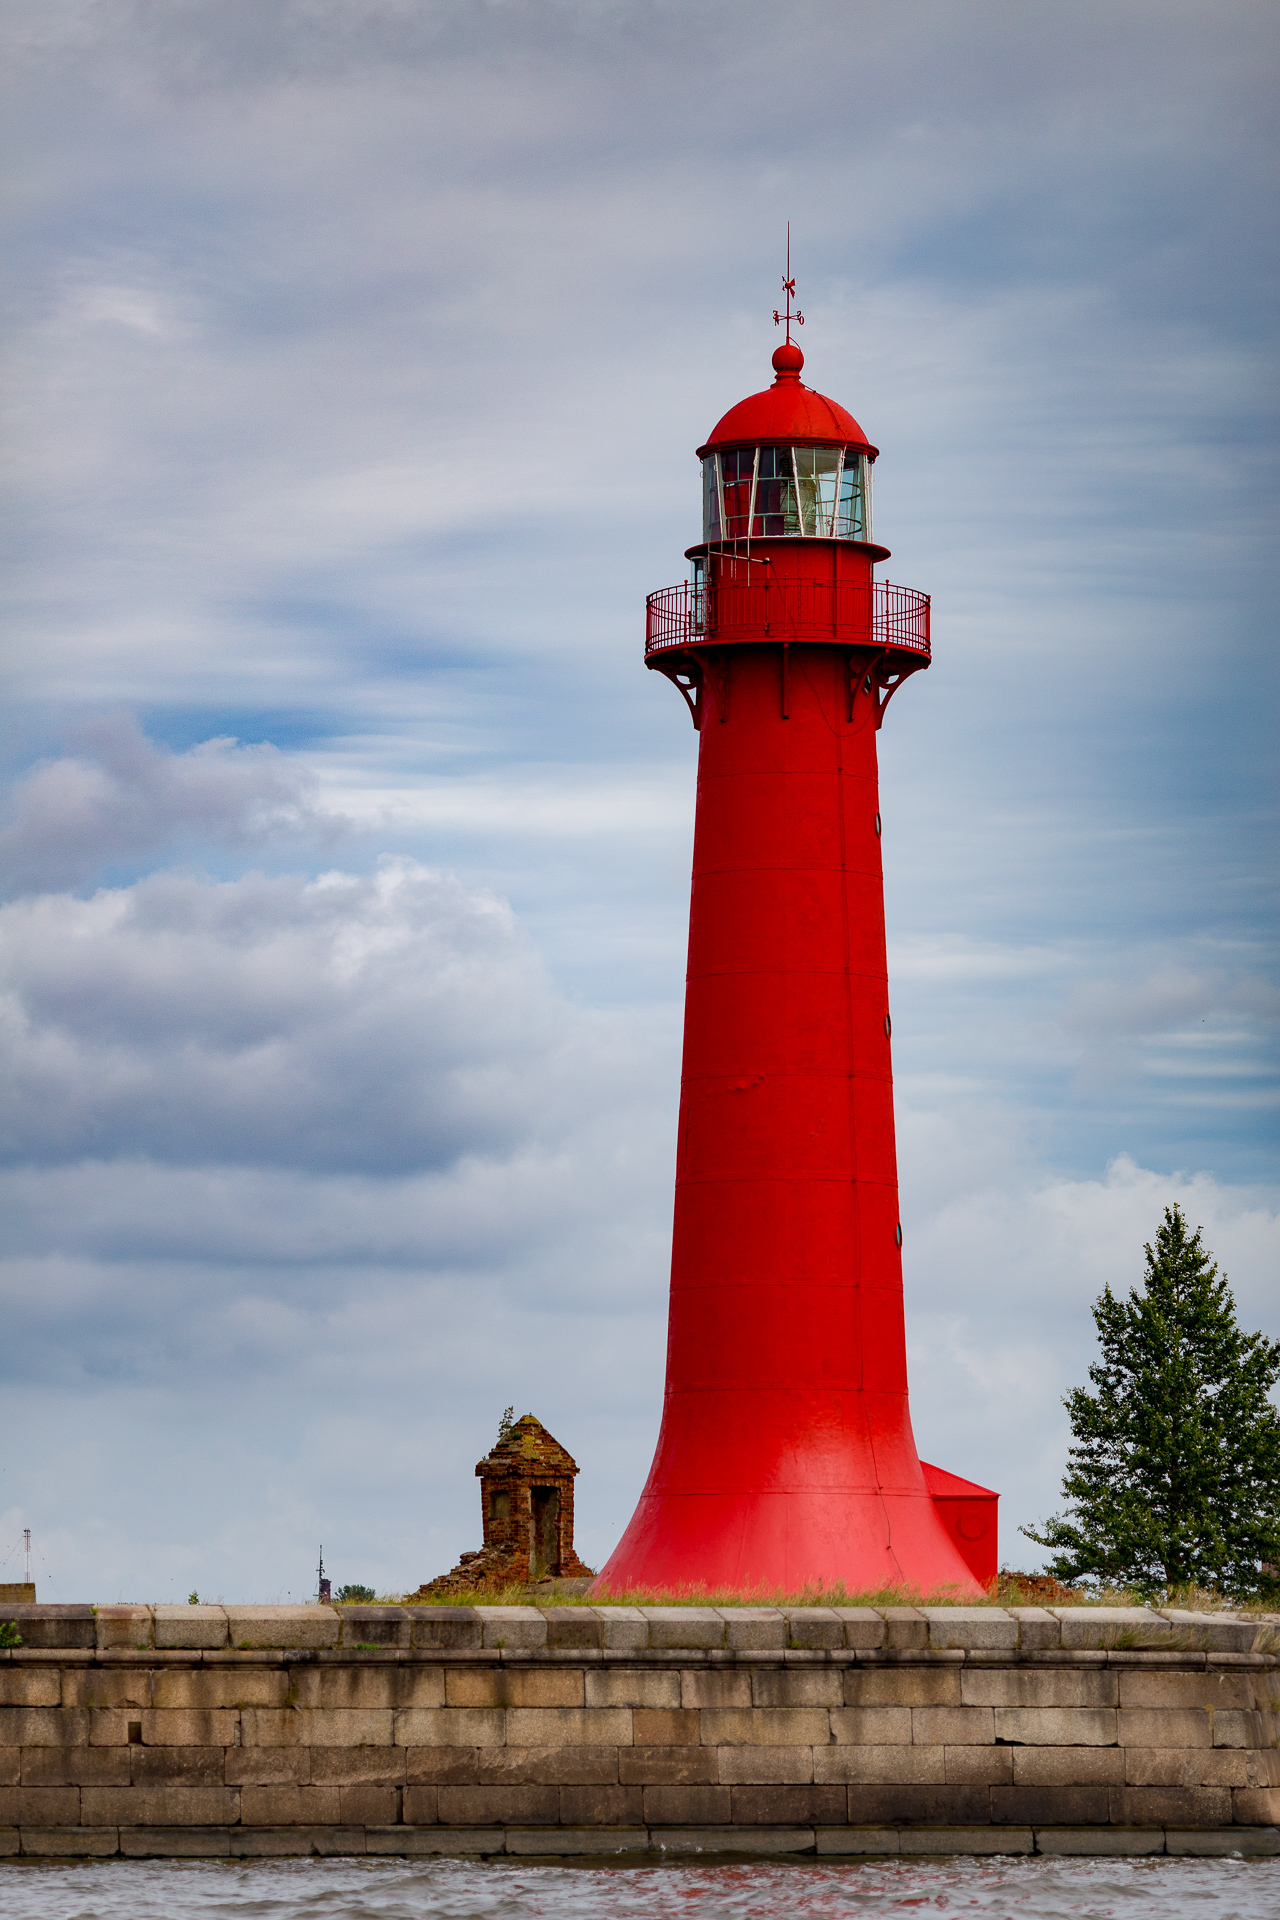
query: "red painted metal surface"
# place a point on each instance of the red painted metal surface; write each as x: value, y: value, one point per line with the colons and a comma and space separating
x: 786, y: 1456
x: 787, y: 412
x: 969, y: 1514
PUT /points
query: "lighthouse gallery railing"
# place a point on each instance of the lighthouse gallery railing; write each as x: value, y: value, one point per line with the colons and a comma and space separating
x: 684, y: 615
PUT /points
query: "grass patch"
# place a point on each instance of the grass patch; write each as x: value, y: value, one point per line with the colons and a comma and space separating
x: 691, y: 1596
x: 1010, y: 1589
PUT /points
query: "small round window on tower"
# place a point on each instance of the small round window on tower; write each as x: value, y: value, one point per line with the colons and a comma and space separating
x: 877, y: 826
x: 888, y: 1026
x: 897, y: 1235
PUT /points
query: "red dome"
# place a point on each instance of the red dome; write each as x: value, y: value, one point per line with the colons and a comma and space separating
x: 788, y: 413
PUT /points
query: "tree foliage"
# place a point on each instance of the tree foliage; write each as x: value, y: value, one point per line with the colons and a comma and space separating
x: 1174, y: 1471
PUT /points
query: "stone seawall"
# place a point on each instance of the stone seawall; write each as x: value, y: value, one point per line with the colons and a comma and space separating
x: 254, y: 1731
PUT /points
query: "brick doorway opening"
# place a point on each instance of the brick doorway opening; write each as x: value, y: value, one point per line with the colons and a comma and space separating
x: 544, y: 1543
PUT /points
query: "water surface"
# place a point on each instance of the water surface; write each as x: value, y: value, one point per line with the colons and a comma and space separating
x: 1152, y: 1889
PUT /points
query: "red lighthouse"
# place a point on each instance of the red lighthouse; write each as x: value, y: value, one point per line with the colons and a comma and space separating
x: 786, y: 1456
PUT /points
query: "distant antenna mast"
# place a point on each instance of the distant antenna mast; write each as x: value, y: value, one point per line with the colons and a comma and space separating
x: 788, y: 287
x: 322, y: 1581
x: 26, y: 1543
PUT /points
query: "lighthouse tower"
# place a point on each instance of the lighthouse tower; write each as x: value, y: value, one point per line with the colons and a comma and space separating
x: 786, y: 1456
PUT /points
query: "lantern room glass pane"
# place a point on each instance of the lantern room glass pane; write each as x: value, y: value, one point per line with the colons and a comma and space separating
x: 711, y: 498
x: 698, y: 592
x: 817, y: 472
x: 737, y: 475
x: 774, y: 512
x: 853, y: 521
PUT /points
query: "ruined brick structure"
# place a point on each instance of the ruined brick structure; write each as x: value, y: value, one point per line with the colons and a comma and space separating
x: 526, y: 1503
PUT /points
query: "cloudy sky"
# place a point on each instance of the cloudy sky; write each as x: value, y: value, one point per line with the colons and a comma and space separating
x: 357, y: 352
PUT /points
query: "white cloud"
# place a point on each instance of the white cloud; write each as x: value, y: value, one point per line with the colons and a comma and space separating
x: 121, y: 797
x: 1167, y: 1000
x: 389, y: 1023
x: 939, y: 959
x: 135, y: 308
x: 567, y: 804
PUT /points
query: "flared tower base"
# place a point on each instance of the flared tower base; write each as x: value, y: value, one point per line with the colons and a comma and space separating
x: 842, y: 1507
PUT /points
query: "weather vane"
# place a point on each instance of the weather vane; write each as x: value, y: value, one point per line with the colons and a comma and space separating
x: 788, y: 287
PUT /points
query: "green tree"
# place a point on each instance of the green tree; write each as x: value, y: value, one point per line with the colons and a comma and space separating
x: 1174, y: 1474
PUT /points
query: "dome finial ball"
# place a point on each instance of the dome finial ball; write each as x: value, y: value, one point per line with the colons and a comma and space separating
x: 787, y: 361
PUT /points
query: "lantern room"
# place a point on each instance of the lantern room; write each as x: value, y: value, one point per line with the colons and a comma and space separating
x: 787, y: 464
x: 815, y: 493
